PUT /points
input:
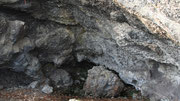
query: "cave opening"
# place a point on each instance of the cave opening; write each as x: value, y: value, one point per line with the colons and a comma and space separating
x: 77, y: 70
x: 79, y: 73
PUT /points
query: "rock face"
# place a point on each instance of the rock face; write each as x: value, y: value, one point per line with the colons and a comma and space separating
x: 160, y: 17
x: 26, y: 63
x: 138, y: 39
x: 102, y: 83
x: 8, y: 1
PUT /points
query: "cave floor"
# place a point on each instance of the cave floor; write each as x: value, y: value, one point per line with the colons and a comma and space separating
x: 22, y: 94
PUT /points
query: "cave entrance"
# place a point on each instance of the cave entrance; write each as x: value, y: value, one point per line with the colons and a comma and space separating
x: 79, y: 72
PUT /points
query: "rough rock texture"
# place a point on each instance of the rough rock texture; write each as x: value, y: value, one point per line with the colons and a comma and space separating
x: 47, y: 89
x: 27, y: 63
x: 138, y: 39
x: 8, y: 1
x: 102, y: 83
x: 60, y: 78
x: 160, y: 17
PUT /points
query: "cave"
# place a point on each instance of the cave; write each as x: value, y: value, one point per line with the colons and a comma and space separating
x: 96, y: 49
x: 12, y: 81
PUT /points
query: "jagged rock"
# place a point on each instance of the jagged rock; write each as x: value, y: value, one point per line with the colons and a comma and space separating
x: 61, y: 78
x: 8, y: 1
x: 47, y: 89
x: 159, y: 17
x: 53, y: 41
x: 28, y: 64
x: 102, y: 82
x: 138, y: 39
x: 33, y: 84
x: 44, y: 86
x: 144, y: 60
x: 9, y: 31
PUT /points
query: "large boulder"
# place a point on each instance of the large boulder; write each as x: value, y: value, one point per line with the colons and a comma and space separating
x: 102, y: 83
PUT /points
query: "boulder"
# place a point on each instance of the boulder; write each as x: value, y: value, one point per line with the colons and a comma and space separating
x: 61, y: 79
x: 47, y: 89
x: 102, y: 83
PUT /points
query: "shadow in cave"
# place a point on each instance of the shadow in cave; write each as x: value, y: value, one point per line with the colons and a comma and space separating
x: 10, y: 79
x: 79, y: 72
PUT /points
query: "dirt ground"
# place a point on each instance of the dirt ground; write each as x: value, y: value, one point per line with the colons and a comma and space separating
x: 35, y: 95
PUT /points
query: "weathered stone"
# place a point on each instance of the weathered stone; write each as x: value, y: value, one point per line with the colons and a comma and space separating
x: 26, y: 63
x: 33, y: 85
x: 138, y: 39
x: 160, y: 17
x: 55, y: 42
x: 47, y: 89
x: 139, y: 57
x: 9, y: 31
x: 102, y: 82
x: 8, y: 1
x: 61, y: 78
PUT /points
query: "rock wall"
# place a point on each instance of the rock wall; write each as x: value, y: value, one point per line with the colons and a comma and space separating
x: 137, y: 39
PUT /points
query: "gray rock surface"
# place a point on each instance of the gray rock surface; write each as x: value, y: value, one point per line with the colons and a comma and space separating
x: 1, y: 87
x: 47, y: 89
x: 102, y: 83
x: 27, y: 63
x: 160, y: 17
x: 9, y: 31
x: 8, y: 1
x: 138, y: 39
x: 60, y: 78
x: 33, y: 84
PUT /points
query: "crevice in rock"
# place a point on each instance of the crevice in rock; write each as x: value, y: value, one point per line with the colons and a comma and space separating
x: 14, y: 14
x: 128, y: 90
x: 78, y: 72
